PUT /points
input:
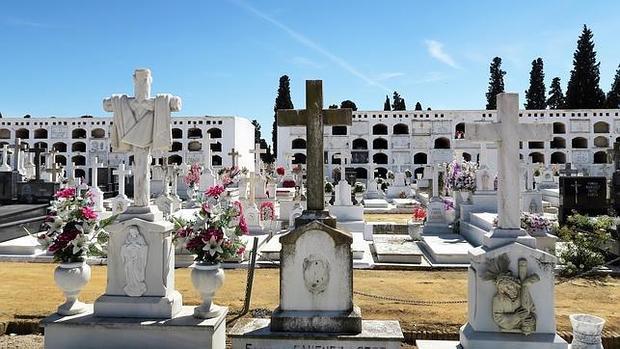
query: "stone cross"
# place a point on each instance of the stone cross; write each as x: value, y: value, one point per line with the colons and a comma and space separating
x: 234, y: 156
x: 18, y: 159
x: 122, y: 172
x: 257, y: 151
x: 37, y: 161
x: 54, y: 169
x: 314, y: 117
x: 141, y: 125
x: 568, y: 170
x: 507, y: 132
x: 342, y: 156
x: 93, y: 176
x: 5, y: 158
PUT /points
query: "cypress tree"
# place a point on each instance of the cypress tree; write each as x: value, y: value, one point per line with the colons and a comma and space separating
x: 535, y: 95
x: 496, y: 83
x: 613, y: 96
x: 283, y: 101
x: 418, y: 106
x: 556, y: 98
x: 583, y: 89
x: 398, y: 103
x: 257, y: 132
x: 333, y: 106
x: 386, y: 104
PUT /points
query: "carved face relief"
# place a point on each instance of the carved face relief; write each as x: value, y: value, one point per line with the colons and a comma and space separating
x: 316, y: 273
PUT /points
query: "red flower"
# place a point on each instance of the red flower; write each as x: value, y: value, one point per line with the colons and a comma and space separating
x: 241, y: 250
x: 88, y: 213
x: 243, y: 225
x: 280, y: 171
x: 66, y: 193
x: 215, y: 190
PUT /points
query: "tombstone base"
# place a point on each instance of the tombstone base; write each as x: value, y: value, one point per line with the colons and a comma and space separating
x: 139, y: 307
x: 317, y: 321
x: 499, y: 237
x: 309, y: 216
x: 149, y: 213
x: 256, y: 333
x: 472, y: 339
x: 87, y: 331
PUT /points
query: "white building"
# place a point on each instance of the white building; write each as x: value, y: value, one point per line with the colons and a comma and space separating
x: 398, y: 140
x: 79, y: 140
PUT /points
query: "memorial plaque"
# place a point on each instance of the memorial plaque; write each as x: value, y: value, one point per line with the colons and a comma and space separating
x: 586, y: 195
x: 58, y: 132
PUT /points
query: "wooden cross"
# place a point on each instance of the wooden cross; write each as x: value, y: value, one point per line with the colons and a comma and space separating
x: 506, y: 133
x: 314, y: 117
x: 568, y: 170
x: 234, y: 155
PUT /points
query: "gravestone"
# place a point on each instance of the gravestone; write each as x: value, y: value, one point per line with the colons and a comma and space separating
x: 121, y: 202
x: 586, y: 195
x: 96, y: 193
x: 436, y: 219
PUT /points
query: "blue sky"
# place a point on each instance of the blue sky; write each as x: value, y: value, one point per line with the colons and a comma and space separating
x: 225, y: 57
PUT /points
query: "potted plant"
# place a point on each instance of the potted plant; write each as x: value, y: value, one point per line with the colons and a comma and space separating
x: 414, y: 225
x: 358, y: 190
x: 329, y: 192
x: 213, y: 236
x: 390, y: 176
x: 192, y: 181
x: 74, y: 231
x: 462, y: 178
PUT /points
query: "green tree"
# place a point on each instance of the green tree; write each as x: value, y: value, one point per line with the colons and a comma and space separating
x: 258, y: 139
x: 257, y: 131
x: 333, y: 106
x: 535, y: 95
x: 583, y: 89
x: 283, y: 101
x: 386, y: 104
x: 398, y: 103
x: 556, y: 98
x: 418, y: 106
x: 348, y: 104
x: 613, y: 96
x: 496, y: 83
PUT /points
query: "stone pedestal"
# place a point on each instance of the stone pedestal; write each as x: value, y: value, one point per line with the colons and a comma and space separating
x: 140, y: 271
x: 347, y: 213
x: 436, y: 219
x: 533, y: 271
x: 87, y: 331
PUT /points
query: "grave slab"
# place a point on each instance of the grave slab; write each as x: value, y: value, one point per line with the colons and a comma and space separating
x: 23, y: 246
x: 447, y: 248
x: 405, y: 203
x: 397, y: 249
x: 375, y: 203
x: 86, y: 331
x: 256, y: 333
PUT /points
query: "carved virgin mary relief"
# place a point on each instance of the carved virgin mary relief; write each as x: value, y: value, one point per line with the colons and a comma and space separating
x: 133, y: 256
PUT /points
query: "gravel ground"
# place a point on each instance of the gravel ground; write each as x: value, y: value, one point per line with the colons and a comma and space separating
x: 33, y: 341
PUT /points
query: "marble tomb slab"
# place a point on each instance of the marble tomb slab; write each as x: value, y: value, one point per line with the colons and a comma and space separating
x: 397, y: 249
x: 447, y: 248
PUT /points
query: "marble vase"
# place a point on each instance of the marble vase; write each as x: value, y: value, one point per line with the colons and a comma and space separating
x: 71, y: 278
x: 328, y: 197
x: 587, y: 331
x: 207, y: 279
x: 359, y: 197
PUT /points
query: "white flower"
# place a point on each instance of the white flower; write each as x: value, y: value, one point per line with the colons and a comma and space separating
x: 213, y: 247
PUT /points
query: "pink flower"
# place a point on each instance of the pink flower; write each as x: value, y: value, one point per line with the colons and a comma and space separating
x: 241, y: 250
x: 238, y: 207
x: 215, y: 190
x: 66, y: 193
x: 243, y: 225
x: 88, y: 213
x: 280, y: 171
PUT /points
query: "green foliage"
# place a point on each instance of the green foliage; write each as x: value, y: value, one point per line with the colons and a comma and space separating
x: 398, y: 103
x: 329, y: 187
x: 359, y: 188
x: 583, y: 89
x: 496, y: 83
x: 267, y: 157
x: 348, y: 104
x: 333, y: 106
x: 283, y: 101
x: 613, y: 96
x: 585, y: 239
x: 535, y: 95
x: 556, y: 98
x: 386, y: 104
x: 418, y: 106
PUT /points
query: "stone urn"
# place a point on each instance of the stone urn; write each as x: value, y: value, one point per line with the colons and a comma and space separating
x: 71, y: 278
x: 207, y: 279
x: 414, y: 228
x: 465, y: 196
x: 328, y: 197
x: 359, y: 197
x: 587, y: 331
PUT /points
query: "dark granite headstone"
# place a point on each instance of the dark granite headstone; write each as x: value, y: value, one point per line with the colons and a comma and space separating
x: 586, y: 195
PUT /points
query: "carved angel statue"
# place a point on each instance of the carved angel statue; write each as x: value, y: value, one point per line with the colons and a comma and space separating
x: 133, y: 255
x: 513, y: 307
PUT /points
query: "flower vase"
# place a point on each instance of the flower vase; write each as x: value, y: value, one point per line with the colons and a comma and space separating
x: 465, y: 196
x: 191, y: 195
x: 71, y: 278
x: 328, y: 198
x: 359, y: 197
x: 587, y: 330
x: 207, y: 279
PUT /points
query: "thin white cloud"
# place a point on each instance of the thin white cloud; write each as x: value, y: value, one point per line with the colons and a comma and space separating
x: 21, y: 22
x: 304, y: 61
x: 297, y: 36
x: 389, y: 76
x: 430, y: 77
x: 435, y: 49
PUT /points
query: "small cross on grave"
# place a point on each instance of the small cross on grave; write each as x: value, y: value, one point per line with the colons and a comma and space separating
x: 37, y: 161
x: 18, y: 159
x: 234, y: 156
x: 314, y: 117
x: 122, y: 172
x: 342, y: 156
x: 507, y: 132
x: 94, y: 175
x: 257, y: 151
x: 568, y: 170
x: 54, y: 170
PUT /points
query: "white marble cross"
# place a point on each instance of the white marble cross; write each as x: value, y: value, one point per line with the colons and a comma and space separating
x: 507, y: 132
x: 122, y: 172
x: 93, y: 176
x: 435, y: 180
x: 257, y: 151
x: 235, y: 156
